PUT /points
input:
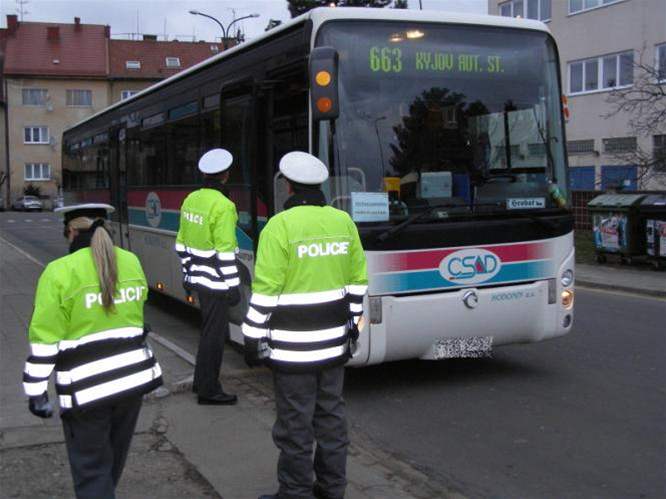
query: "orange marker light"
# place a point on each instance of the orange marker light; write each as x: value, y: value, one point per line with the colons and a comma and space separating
x: 324, y: 104
x: 323, y: 78
x: 159, y: 286
x: 189, y: 299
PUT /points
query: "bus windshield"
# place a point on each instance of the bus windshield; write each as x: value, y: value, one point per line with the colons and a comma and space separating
x: 449, y: 116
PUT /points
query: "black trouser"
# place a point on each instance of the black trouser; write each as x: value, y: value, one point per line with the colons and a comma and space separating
x: 310, y: 407
x: 97, y: 444
x: 214, y: 331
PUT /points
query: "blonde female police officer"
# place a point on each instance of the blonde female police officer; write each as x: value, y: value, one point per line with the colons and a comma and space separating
x: 307, y: 299
x: 206, y: 244
x: 87, y: 324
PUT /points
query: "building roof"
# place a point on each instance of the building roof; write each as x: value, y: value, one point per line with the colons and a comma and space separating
x: 152, y: 54
x: 54, y: 49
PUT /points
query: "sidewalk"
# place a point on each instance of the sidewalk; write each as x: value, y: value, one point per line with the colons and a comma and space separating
x: 181, y: 450
x: 643, y: 281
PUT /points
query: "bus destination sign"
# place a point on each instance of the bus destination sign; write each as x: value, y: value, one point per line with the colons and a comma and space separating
x: 393, y: 60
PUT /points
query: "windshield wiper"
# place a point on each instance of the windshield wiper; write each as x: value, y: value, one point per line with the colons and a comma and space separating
x: 387, y: 234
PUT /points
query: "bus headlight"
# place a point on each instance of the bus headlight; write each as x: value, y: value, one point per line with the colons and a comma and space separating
x: 567, y: 298
x: 567, y: 278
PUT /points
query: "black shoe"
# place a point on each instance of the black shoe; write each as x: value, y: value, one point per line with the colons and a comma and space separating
x: 319, y: 492
x: 218, y: 399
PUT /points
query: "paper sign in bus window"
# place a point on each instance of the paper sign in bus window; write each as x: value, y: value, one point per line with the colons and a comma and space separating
x: 436, y: 184
x: 370, y: 206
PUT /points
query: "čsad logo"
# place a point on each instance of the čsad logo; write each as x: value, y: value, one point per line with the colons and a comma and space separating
x: 153, y: 209
x: 470, y: 266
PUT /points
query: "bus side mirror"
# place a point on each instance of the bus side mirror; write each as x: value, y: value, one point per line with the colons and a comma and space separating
x: 324, y: 83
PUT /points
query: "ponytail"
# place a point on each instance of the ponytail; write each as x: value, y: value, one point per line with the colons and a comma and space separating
x: 104, y: 256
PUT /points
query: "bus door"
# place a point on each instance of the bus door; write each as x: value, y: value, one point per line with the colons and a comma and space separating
x: 239, y: 136
x: 119, y: 185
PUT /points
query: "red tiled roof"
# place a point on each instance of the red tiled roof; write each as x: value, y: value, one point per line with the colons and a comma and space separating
x: 80, y: 50
x: 152, y: 56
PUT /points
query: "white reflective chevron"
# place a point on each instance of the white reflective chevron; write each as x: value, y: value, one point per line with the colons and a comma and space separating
x: 117, y: 385
x: 194, y: 251
x: 204, y: 268
x: 180, y: 247
x: 103, y: 365
x: 255, y: 316
x: 34, y: 389
x: 121, y: 332
x: 357, y: 289
x: 311, y: 298
x: 233, y: 282
x: 311, y: 356
x: 204, y: 281
x: 65, y: 401
x: 231, y: 269
x: 263, y: 300
x: 308, y: 336
x: 226, y: 256
x: 42, y: 350
x: 356, y: 307
x: 38, y: 370
x: 253, y: 332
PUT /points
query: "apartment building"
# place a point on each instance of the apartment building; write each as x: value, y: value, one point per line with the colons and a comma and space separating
x: 602, y: 44
x: 54, y: 76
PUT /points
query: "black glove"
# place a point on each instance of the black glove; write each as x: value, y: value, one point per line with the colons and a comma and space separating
x: 40, y: 406
x: 233, y: 296
x: 251, y: 351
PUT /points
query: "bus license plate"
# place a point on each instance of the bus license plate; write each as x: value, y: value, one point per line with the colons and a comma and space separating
x: 468, y: 348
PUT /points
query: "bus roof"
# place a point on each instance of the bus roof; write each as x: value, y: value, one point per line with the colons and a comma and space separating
x: 323, y: 14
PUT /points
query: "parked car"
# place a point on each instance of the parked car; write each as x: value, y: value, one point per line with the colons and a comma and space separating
x: 28, y: 203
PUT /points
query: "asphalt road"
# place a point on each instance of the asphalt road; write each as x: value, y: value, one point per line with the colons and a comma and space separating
x: 582, y: 416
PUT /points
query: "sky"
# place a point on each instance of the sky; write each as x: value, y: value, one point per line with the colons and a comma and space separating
x: 171, y: 16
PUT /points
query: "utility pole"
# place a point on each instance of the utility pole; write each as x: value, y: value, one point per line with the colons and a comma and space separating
x: 20, y: 8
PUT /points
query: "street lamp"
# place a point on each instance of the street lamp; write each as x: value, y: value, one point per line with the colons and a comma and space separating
x: 225, y: 31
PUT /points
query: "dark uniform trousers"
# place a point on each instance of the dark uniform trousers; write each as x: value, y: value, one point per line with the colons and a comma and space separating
x: 214, y: 332
x: 98, y: 440
x: 310, y: 407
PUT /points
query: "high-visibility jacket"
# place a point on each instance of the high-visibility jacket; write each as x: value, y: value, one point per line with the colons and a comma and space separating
x: 310, y: 280
x: 99, y: 355
x: 206, y: 241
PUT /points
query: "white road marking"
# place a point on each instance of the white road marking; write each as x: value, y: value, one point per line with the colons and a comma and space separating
x: 28, y: 220
x: 11, y: 221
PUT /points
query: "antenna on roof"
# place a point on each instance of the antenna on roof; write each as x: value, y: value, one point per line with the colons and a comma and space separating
x: 20, y: 8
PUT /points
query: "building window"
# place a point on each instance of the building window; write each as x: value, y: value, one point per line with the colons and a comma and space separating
x: 37, y: 171
x: 531, y: 9
x: 620, y: 145
x: 576, y: 6
x: 661, y: 61
x: 172, y: 62
x: 580, y: 146
x: 659, y: 149
x: 36, y: 135
x: 126, y: 94
x: 601, y: 73
x: 79, y: 98
x: 34, y: 96
x: 133, y: 64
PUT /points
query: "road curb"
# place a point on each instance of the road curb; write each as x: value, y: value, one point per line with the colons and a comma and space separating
x: 652, y: 293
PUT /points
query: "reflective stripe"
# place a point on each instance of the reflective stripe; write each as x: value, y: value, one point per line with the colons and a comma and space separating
x: 103, y: 365
x: 227, y: 256
x: 357, y: 289
x: 204, y: 268
x: 121, y: 332
x: 118, y: 385
x: 308, y: 336
x: 311, y: 298
x: 255, y: 316
x: 42, y: 350
x: 180, y: 247
x: 204, y: 281
x: 264, y: 300
x: 229, y: 270
x: 356, y: 307
x: 253, y: 332
x: 34, y: 389
x: 201, y: 253
x: 65, y: 401
x: 312, y: 356
x: 185, y: 260
x: 233, y: 282
x: 357, y: 319
x: 38, y: 370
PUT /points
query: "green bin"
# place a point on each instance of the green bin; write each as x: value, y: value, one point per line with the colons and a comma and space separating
x: 618, y: 226
x: 653, y: 211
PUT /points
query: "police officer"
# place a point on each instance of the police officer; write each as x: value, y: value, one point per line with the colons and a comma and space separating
x: 307, y: 299
x: 206, y: 244
x: 87, y: 323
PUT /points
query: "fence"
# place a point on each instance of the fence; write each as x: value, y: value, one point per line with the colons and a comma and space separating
x: 579, y: 200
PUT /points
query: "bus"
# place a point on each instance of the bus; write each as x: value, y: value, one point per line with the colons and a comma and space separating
x: 444, y: 137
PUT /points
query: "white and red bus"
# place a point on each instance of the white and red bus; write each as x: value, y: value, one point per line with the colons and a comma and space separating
x: 445, y: 141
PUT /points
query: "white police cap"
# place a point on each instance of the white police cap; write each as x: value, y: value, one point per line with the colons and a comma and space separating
x: 215, y: 161
x: 303, y: 168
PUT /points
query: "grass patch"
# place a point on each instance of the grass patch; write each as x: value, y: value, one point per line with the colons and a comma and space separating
x: 584, y: 243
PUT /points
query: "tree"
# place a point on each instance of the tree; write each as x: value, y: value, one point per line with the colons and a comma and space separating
x: 298, y: 7
x: 645, y: 105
